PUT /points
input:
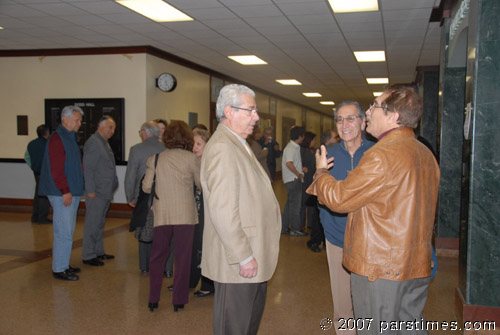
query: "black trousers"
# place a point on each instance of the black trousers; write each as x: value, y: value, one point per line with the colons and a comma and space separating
x: 41, y: 204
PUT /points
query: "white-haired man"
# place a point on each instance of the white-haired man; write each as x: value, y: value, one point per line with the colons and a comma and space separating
x: 242, y: 217
x: 61, y: 180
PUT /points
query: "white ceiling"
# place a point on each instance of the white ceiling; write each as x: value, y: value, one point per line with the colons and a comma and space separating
x: 299, y: 39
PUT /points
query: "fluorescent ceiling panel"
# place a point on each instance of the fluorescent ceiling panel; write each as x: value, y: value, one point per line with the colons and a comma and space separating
x: 377, y: 94
x: 312, y: 94
x: 288, y: 82
x: 351, y: 6
x: 327, y: 102
x: 377, y: 80
x: 156, y: 10
x: 370, y: 56
x: 248, y: 60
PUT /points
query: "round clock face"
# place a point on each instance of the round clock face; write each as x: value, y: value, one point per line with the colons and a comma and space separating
x: 166, y: 82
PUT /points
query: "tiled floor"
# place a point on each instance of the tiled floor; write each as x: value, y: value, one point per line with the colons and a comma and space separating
x: 113, y: 299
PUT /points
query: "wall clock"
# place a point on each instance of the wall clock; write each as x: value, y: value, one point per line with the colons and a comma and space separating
x: 166, y: 82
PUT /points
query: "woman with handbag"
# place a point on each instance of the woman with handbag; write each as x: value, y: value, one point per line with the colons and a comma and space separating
x: 174, y: 208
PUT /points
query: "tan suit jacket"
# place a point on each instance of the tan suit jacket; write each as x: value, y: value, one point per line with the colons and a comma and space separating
x: 177, y: 172
x: 242, y: 215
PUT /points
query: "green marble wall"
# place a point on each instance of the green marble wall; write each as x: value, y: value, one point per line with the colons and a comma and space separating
x: 429, y: 124
x: 483, y: 90
x: 450, y: 159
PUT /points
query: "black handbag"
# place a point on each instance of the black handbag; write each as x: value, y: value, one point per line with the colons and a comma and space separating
x: 144, y: 230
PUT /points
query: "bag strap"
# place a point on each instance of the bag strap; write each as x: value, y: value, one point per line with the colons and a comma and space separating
x: 153, y: 186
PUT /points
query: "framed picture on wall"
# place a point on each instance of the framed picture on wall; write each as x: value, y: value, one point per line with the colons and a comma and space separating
x: 216, y: 85
x: 93, y: 110
x: 272, y: 105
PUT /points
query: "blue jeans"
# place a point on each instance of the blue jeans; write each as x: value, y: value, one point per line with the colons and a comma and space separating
x: 291, y: 211
x: 64, y: 220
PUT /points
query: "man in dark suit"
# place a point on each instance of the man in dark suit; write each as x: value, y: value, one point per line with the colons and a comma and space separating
x: 35, y: 152
x: 267, y: 141
x: 100, y: 184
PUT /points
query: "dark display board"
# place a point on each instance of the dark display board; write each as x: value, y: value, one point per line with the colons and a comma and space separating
x: 93, y: 110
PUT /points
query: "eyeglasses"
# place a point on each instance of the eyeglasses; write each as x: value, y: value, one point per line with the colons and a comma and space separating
x: 348, y: 118
x: 373, y: 106
x: 249, y: 110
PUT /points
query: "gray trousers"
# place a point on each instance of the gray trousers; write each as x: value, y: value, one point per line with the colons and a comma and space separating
x: 389, y: 307
x: 238, y: 308
x: 291, y: 211
x: 95, y: 216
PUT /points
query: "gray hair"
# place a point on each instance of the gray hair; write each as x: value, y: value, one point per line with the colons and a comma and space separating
x: 151, y: 128
x: 268, y: 128
x: 361, y: 112
x: 327, y: 135
x: 68, y: 111
x: 230, y: 95
x: 104, y: 119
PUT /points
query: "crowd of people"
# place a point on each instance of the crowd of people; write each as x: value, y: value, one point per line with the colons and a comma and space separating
x: 215, y: 217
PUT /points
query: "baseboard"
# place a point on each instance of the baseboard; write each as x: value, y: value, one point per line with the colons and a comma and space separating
x: 447, y: 247
x: 477, y: 316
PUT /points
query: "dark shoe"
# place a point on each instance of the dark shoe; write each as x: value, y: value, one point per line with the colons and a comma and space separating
x: 201, y: 294
x: 66, y: 275
x: 313, y: 247
x: 74, y: 270
x: 298, y: 233
x: 171, y: 288
x: 105, y: 256
x: 176, y: 307
x: 168, y: 274
x: 93, y: 262
x: 152, y: 306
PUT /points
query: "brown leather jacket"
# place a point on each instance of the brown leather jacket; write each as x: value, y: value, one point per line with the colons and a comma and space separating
x: 391, y: 200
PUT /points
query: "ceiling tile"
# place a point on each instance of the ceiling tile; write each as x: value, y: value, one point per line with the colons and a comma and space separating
x: 210, y: 13
x: 257, y: 11
x: 61, y: 9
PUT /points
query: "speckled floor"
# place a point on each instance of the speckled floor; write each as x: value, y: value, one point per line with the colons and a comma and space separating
x: 113, y: 299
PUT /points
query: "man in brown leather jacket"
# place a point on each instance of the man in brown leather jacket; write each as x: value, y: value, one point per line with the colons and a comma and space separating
x: 391, y: 200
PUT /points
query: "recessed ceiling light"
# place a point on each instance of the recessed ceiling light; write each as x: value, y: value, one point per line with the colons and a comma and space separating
x: 327, y: 102
x: 248, y: 60
x: 370, y: 56
x: 312, y: 94
x: 343, y: 6
x: 377, y: 94
x: 288, y: 82
x: 377, y: 80
x: 1, y: 28
x: 156, y: 10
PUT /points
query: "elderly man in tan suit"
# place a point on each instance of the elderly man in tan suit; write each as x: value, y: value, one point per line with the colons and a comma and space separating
x: 242, y: 217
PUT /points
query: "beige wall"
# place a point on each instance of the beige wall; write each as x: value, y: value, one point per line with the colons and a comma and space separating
x: 192, y: 94
x: 286, y: 109
x: 313, y: 122
x: 27, y: 81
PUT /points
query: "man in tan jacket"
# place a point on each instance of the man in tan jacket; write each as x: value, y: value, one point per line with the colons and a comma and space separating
x: 391, y: 200
x: 242, y: 217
